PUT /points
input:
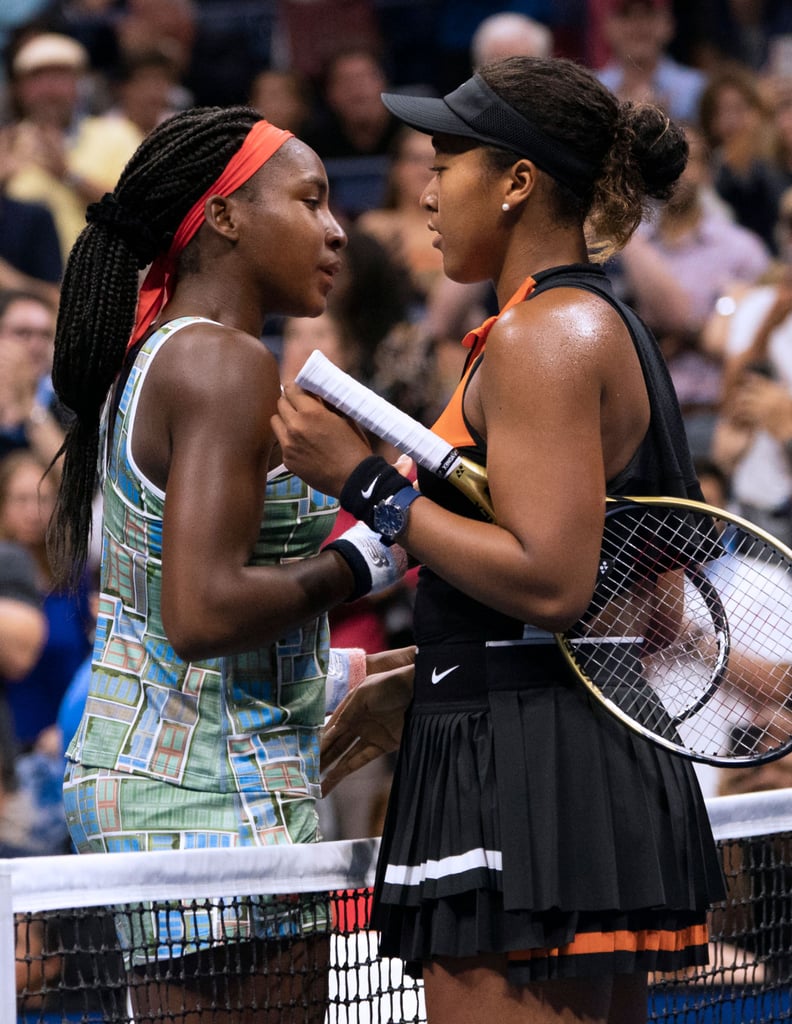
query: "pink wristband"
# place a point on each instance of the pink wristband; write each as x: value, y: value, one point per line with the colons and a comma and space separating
x: 346, y: 669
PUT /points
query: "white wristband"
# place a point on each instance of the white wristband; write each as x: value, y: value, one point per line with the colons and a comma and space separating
x: 375, y: 566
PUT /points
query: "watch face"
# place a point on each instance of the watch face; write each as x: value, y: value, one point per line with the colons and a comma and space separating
x: 389, y: 519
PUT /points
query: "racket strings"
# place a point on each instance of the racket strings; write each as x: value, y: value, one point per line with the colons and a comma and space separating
x: 688, y: 634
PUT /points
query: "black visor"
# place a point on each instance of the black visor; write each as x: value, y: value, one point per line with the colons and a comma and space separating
x: 475, y: 111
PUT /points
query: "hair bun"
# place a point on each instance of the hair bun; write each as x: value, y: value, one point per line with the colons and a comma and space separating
x: 658, y: 147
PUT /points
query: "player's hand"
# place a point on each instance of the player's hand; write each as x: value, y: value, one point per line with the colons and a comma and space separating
x: 367, y: 724
x: 318, y: 444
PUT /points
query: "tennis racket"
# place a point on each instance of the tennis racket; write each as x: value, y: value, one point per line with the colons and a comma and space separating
x: 384, y: 420
x: 687, y: 639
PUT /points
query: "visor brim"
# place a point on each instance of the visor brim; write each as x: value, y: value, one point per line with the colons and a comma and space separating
x: 427, y: 114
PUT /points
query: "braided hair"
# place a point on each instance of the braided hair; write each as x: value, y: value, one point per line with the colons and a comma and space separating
x: 171, y: 169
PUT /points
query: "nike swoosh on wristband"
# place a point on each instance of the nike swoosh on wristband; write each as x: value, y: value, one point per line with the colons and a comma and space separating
x: 437, y: 676
x: 370, y: 489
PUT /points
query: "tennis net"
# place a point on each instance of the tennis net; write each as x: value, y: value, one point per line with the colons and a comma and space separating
x: 97, y: 940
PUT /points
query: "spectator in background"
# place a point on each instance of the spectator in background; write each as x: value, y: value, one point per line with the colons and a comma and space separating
x: 30, y: 256
x: 32, y: 819
x: 459, y: 20
x: 23, y: 632
x: 146, y: 91
x: 754, y: 429
x: 400, y: 224
x: 153, y: 25
x: 354, y: 121
x: 283, y: 97
x: 26, y: 504
x: 509, y: 34
x: 30, y: 416
x: 640, y: 69
x: 352, y: 131
x: 675, y: 269
x: 31, y: 813
x: 779, y: 91
x: 46, y: 71
x: 736, y: 122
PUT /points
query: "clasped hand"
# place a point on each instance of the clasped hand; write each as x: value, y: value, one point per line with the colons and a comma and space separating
x: 368, y: 722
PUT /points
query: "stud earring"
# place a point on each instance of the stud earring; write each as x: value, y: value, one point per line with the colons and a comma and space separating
x: 505, y: 207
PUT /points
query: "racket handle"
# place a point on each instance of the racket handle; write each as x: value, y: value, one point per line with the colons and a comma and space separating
x: 373, y: 412
x: 471, y: 479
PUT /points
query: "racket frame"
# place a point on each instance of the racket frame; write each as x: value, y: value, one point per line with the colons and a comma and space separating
x: 695, y: 573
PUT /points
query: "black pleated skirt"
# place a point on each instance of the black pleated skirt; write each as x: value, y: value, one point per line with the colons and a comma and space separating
x: 525, y: 819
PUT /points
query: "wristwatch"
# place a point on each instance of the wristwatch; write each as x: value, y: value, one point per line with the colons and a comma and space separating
x: 390, y: 514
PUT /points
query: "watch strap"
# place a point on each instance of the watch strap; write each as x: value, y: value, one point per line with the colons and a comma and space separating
x: 402, y: 500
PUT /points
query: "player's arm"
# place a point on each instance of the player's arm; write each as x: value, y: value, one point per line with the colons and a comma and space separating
x: 219, y: 450
x: 540, y: 412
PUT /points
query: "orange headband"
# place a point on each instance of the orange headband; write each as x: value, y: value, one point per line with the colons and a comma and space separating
x: 260, y: 143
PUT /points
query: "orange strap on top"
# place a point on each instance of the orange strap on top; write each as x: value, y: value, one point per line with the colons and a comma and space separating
x: 450, y: 424
x: 260, y: 143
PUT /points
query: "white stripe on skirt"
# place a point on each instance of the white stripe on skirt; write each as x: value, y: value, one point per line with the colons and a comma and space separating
x: 415, y: 874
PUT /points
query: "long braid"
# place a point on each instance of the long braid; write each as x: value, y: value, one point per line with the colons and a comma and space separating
x: 171, y: 169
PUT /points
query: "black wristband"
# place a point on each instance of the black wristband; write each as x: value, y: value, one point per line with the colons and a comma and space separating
x: 371, y: 481
x: 361, y: 573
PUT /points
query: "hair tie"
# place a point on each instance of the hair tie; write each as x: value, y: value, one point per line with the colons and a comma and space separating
x: 129, y: 227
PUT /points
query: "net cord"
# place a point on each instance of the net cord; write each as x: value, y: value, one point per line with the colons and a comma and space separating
x: 62, y: 882
x: 750, y: 814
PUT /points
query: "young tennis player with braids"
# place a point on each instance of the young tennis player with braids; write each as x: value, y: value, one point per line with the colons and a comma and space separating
x: 211, y: 656
x: 539, y: 858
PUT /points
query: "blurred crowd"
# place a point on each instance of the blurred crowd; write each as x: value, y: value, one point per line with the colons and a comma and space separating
x: 83, y: 81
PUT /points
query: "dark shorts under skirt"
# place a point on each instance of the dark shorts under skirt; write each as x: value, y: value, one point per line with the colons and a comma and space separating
x: 525, y: 819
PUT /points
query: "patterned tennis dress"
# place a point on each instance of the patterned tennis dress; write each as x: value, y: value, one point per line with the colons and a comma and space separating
x: 214, y: 753
x: 524, y: 819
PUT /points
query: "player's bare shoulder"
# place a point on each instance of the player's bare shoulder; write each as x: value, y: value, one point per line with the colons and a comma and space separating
x: 208, y: 359
x: 557, y: 329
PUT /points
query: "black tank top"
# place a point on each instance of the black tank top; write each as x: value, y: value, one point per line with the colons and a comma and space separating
x: 660, y: 465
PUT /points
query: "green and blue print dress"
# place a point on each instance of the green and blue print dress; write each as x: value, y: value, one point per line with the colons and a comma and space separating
x: 214, y: 753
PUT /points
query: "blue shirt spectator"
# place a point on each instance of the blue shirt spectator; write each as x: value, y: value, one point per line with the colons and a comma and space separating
x: 29, y: 241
